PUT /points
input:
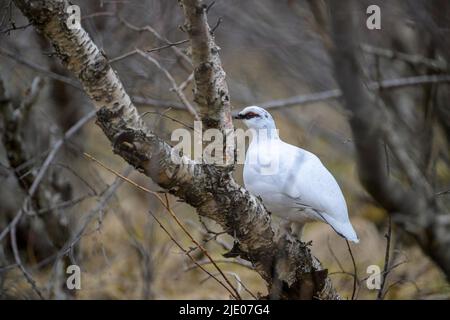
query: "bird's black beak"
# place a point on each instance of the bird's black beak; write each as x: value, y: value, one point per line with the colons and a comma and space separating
x: 238, y: 116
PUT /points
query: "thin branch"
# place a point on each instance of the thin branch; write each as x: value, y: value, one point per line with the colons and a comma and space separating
x: 65, y: 204
x: 386, y: 258
x: 205, y: 252
x: 334, y: 255
x: 133, y: 52
x: 123, y: 56
x: 48, y: 73
x: 144, y: 254
x: 14, y: 28
x: 214, y: 28
x: 355, y: 275
x: 389, y: 270
x: 396, y: 283
x: 169, y: 45
x: 99, y: 14
x: 242, y: 263
x: 186, y: 82
x: 158, y: 103
x: 168, y: 117
x: 437, y: 65
x: 151, y: 30
x: 190, y: 256
x: 101, y: 203
x: 442, y: 193
x: 302, y: 99
x: 175, y: 87
x: 240, y: 284
x: 409, y: 81
x: 337, y: 93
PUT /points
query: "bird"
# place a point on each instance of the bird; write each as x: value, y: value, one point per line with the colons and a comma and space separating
x: 292, y: 182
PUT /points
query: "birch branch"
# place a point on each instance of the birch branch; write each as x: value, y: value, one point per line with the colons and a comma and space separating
x: 211, y: 90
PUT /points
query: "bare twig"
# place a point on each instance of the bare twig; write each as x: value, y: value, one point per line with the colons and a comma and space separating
x: 146, y: 257
x: 14, y: 28
x: 336, y: 93
x: 239, y: 282
x: 133, y: 52
x: 437, y: 65
x: 205, y: 252
x: 64, y: 204
x: 442, y: 193
x: 175, y: 87
x: 48, y: 73
x: 168, y: 117
x: 214, y: 28
x: 151, y: 30
x: 186, y: 82
x: 334, y: 255
x: 158, y: 103
x: 190, y: 256
x: 386, y: 258
x: 355, y: 275
x: 389, y: 270
x: 241, y: 263
x: 409, y: 81
x: 99, y: 14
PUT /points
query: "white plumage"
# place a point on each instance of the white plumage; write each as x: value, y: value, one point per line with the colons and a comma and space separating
x: 292, y: 182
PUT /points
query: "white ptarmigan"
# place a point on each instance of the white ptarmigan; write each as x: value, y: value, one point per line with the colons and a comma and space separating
x: 292, y: 182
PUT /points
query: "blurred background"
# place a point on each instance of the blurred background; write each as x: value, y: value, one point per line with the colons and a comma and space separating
x: 275, y: 55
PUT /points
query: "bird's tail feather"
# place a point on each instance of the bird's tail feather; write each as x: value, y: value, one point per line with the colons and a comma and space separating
x: 344, y: 229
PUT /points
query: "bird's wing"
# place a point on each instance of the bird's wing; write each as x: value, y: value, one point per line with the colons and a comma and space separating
x: 311, y: 184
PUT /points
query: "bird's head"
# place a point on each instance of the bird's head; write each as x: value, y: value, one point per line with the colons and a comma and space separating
x: 256, y: 118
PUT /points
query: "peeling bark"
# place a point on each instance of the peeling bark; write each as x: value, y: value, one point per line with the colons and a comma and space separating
x: 211, y: 90
x: 286, y: 264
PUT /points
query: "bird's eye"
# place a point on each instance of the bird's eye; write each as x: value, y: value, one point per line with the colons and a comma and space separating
x: 251, y: 115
